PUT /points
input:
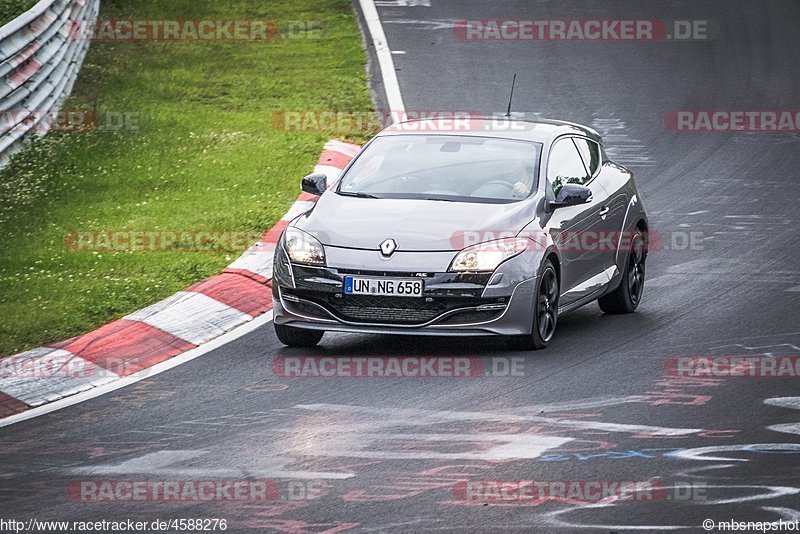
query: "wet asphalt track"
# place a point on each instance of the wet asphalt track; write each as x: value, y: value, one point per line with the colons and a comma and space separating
x: 601, y: 386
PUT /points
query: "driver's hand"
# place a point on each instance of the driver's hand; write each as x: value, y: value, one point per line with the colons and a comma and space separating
x: 521, y: 190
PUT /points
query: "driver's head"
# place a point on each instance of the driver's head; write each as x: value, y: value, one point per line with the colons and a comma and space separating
x: 518, y: 170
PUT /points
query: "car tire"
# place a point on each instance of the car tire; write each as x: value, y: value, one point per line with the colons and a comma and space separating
x: 545, y: 313
x: 297, y: 337
x: 628, y: 295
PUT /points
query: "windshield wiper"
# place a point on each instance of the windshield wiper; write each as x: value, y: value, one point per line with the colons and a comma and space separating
x: 357, y: 194
x: 440, y: 199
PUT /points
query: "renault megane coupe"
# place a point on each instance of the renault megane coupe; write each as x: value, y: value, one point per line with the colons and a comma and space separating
x: 462, y: 233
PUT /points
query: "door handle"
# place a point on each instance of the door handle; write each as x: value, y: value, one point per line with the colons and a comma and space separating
x: 604, y: 211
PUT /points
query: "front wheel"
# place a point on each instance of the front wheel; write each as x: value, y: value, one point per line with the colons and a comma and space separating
x: 297, y: 337
x: 545, y: 312
x: 626, y: 298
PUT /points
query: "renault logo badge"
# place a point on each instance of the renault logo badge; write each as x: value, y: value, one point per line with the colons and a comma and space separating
x: 388, y: 247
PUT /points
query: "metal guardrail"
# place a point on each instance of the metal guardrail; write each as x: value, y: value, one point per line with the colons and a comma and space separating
x: 39, y: 61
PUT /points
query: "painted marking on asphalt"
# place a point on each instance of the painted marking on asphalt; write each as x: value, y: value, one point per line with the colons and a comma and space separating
x: 147, y: 463
x: 163, y: 463
x: 699, y: 453
x: 786, y: 428
x: 506, y: 446
x: 785, y: 402
x: 412, y: 416
x: 768, y: 492
x: 787, y: 514
x: 751, y: 493
x: 580, y: 404
x: 382, y: 51
x: 757, y: 349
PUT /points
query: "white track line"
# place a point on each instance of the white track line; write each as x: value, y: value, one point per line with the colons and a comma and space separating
x: 166, y: 365
x: 390, y: 84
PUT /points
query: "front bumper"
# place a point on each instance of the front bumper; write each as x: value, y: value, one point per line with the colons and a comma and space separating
x: 452, y: 303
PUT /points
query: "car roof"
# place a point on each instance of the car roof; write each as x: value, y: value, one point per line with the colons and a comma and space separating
x: 539, y: 130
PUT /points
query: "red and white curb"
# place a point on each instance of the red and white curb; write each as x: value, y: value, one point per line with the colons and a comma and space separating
x: 175, y: 325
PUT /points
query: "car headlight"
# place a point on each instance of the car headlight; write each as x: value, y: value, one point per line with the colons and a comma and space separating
x: 303, y: 247
x: 487, y: 256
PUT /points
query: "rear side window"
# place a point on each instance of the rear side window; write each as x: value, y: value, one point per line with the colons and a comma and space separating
x: 590, y: 153
x: 565, y: 165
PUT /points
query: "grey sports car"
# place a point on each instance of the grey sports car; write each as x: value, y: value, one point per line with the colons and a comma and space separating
x: 480, y: 231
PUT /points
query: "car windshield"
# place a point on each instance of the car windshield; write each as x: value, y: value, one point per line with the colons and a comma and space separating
x: 444, y: 167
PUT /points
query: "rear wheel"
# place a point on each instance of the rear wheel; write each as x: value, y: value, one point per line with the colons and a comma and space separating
x: 297, y: 337
x: 626, y: 298
x: 545, y: 312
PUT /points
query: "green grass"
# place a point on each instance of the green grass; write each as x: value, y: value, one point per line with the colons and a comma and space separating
x: 11, y: 9
x: 206, y: 156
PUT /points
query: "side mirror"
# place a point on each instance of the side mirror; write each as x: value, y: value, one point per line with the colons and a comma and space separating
x: 571, y: 195
x: 316, y: 184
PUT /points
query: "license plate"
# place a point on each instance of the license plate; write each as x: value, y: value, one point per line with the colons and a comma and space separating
x: 395, y: 287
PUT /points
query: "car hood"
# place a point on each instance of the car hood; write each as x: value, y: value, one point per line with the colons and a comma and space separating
x: 416, y: 225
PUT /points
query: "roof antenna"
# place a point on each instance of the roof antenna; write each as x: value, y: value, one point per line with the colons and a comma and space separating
x: 513, y: 81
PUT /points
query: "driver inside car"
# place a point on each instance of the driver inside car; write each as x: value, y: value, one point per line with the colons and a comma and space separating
x: 520, y: 173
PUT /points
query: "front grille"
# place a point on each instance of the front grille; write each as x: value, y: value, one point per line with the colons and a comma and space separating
x: 380, y: 301
x: 382, y: 309
x: 387, y: 315
x: 391, y: 310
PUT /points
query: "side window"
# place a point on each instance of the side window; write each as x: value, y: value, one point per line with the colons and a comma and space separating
x: 565, y: 165
x: 590, y: 152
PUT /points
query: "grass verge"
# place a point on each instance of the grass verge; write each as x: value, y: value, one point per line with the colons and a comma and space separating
x: 11, y: 9
x: 185, y: 142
